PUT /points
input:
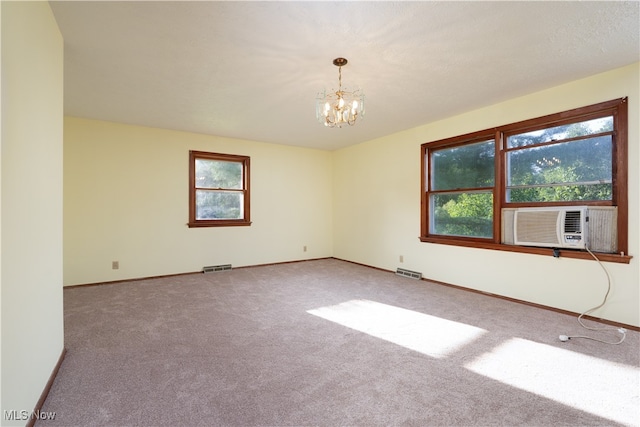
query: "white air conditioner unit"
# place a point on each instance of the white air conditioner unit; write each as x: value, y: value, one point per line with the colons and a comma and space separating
x: 555, y: 227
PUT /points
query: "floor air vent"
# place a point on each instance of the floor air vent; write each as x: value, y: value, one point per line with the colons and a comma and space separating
x: 214, y: 268
x: 408, y: 273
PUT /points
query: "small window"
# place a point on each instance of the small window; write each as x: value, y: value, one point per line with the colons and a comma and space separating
x: 218, y: 190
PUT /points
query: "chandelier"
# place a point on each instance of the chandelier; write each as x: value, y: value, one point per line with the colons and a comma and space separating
x: 341, y: 107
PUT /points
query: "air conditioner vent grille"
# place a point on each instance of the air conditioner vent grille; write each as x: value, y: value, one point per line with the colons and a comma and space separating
x: 537, y: 226
x: 573, y: 222
x: 556, y: 227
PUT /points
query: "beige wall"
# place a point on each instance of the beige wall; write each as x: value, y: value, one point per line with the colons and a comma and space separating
x: 31, y: 177
x: 377, y: 209
x: 126, y: 200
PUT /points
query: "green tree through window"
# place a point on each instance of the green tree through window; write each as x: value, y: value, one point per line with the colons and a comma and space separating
x: 462, y: 178
x: 564, y: 163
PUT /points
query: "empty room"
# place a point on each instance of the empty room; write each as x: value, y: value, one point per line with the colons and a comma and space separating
x: 320, y: 213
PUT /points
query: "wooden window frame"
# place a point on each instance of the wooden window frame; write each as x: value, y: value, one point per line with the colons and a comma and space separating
x: 616, y: 108
x: 245, y: 161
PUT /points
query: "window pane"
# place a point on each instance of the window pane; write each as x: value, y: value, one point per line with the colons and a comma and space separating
x: 557, y: 133
x: 218, y: 174
x: 219, y: 204
x: 571, y: 171
x: 564, y: 193
x: 462, y: 214
x: 468, y: 166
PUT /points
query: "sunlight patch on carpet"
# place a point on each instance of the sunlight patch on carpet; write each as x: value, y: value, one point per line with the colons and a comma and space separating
x: 426, y: 334
x: 597, y: 386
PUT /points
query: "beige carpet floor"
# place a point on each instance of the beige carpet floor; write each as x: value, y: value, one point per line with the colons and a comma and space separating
x: 330, y: 343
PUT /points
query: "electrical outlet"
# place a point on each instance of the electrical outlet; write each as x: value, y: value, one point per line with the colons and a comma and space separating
x: 304, y: 249
x: 115, y: 265
x: 401, y: 258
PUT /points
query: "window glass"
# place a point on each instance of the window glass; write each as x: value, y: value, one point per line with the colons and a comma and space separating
x: 572, y: 171
x: 218, y: 174
x: 556, y: 133
x: 218, y: 205
x: 462, y: 214
x: 465, y: 166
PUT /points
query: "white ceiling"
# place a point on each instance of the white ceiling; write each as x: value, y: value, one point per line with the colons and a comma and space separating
x: 251, y: 70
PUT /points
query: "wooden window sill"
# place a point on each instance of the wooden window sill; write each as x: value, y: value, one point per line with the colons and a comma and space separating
x: 564, y: 253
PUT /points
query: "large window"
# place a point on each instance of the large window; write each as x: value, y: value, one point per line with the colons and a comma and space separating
x: 576, y: 157
x: 218, y: 190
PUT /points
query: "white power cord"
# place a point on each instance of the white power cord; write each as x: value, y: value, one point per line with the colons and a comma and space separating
x: 623, y: 331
